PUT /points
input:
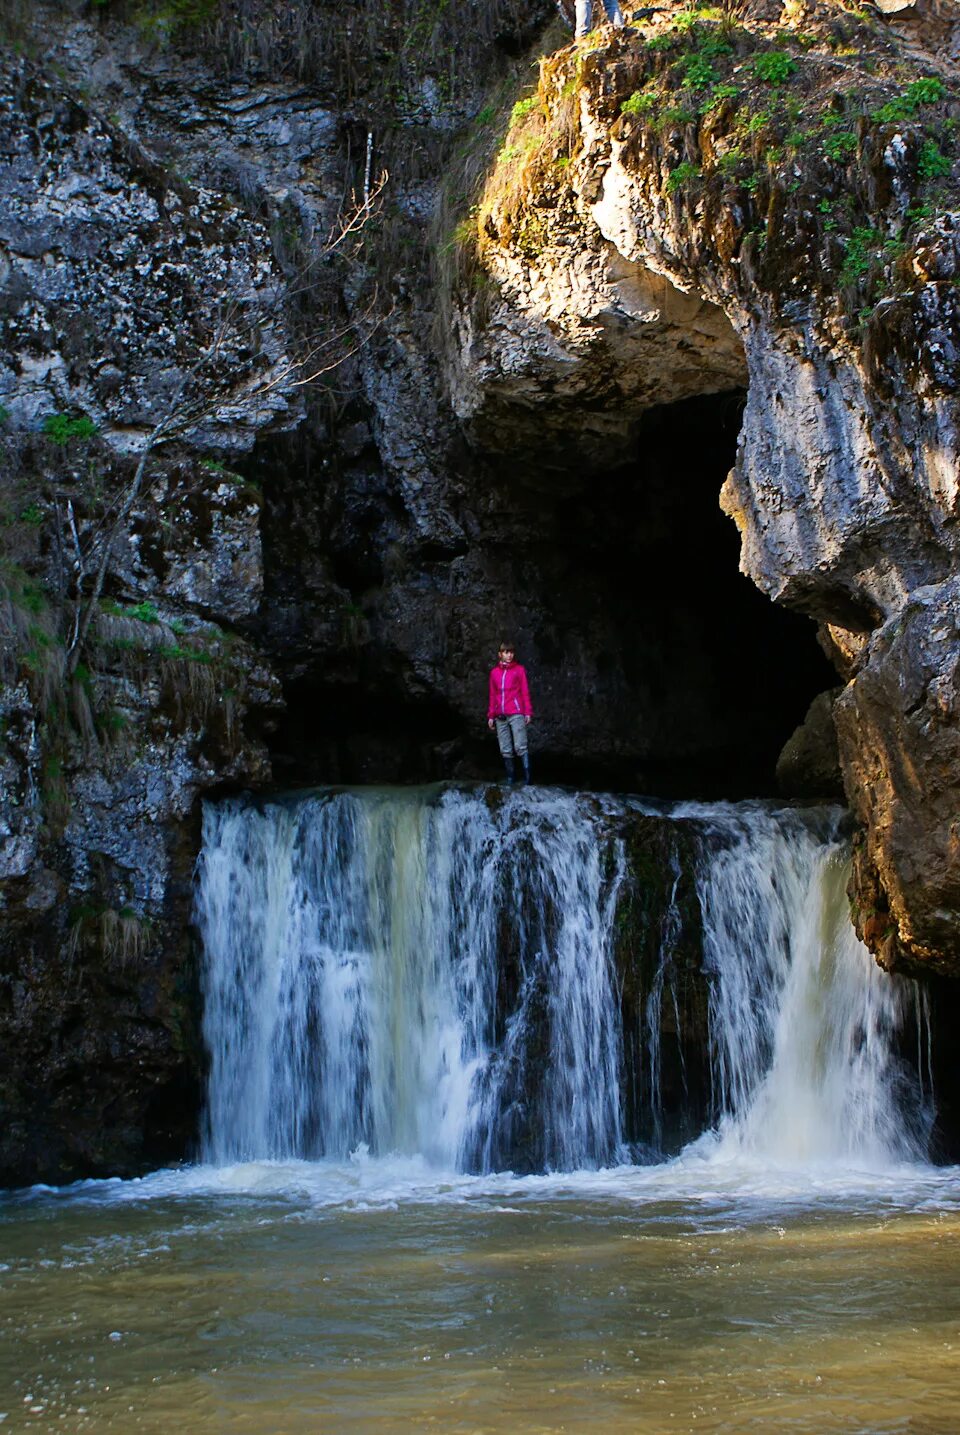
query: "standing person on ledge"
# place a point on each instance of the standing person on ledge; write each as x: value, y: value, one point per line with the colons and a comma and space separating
x: 509, y: 710
x: 584, y: 13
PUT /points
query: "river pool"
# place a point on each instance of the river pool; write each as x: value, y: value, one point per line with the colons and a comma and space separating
x: 702, y: 1295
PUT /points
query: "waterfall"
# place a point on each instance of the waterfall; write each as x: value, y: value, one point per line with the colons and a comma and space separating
x: 489, y: 981
x: 803, y: 1024
x: 428, y: 976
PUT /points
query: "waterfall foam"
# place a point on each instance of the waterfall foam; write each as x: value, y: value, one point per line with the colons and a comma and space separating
x: 442, y: 972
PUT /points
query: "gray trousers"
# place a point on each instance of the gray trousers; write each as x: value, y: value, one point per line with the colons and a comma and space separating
x: 512, y: 734
x: 585, y: 16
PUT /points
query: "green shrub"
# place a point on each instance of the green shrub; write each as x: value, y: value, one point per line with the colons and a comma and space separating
x: 681, y: 175
x: 866, y: 247
x: 758, y: 121
x: 698, y: 72
x: 720, y: 93
x: 840, y: 145
x: 925, y: 92
x: 893, y: 112
x: 641, y: 102
x: 61, y: 428
x: 729, y: 161
x: 773, y: 67
x: 922, y: 92
x: 932, y: 163
x: 145, y: 612
x: 522, y: 108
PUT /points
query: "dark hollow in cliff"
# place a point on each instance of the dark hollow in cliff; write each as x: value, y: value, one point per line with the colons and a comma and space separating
x: 668, y: 669
x: 655, y: 665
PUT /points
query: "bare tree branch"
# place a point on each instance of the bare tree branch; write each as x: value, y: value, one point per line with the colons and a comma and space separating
x: 201, y: 392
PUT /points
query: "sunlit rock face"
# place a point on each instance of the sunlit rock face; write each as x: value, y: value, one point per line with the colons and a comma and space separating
x: 898, y: 726
x: 572, y: 354
x: 835, y: 270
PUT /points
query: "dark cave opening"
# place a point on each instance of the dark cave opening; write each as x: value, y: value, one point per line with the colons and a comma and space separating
x: 655, y: 665
x: 683, y: 678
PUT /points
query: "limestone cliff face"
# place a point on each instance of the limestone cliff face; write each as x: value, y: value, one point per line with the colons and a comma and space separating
x: 310, y: 578
x: 115, y: 275
x: 791, y: 176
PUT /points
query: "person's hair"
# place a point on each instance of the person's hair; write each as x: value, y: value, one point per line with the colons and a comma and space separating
x: 507, y: 647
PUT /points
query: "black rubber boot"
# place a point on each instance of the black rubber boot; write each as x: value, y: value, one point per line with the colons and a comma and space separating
x: 525, y: 759
x: 508, y: 764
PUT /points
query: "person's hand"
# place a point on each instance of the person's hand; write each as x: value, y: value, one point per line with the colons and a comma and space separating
x: 490, y: 724
x: 527, y: 721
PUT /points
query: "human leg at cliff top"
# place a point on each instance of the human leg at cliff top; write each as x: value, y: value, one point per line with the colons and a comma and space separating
x: 585, y: 15
x: 512, y: 738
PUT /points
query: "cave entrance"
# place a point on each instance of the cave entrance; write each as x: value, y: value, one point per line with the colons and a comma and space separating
x: 658, y: 666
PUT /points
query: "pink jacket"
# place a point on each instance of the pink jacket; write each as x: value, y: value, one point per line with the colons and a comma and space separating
x: 508, y: 691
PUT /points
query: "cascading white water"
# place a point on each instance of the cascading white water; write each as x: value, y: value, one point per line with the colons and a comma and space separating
x: 803, y: 1023
x: 355, y: 964
x: 425, y: 972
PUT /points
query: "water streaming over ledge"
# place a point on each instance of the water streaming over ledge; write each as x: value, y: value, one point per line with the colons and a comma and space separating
x: 500, y: 981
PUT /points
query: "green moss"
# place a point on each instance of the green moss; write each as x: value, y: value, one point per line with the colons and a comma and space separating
x: 675, y: 117
x: 177, y: 653
x: 145, y: 612
x: 166, y: 18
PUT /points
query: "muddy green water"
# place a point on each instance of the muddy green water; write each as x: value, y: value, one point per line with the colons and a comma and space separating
x: 379, y: 1297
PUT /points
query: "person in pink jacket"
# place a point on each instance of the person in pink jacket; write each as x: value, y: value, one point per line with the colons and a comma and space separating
x: 509, y: 710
